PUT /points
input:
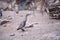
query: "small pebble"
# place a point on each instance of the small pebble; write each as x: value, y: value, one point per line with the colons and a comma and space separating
x: 36, y: 23
x: 22, y: 35
x: 5, y: 26
x: 12, y: 35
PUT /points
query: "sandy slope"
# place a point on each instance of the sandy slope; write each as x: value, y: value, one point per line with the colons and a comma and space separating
x: 44, y: 26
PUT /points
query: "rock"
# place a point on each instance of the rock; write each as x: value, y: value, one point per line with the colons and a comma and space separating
x: 3, y: 5
x: 30, y: 26
x: 36, y: 23
x: 22, y: 35
x: 5, y: 26
x: 4, y: 22
x: 51, y: 36
x: 12, y: 35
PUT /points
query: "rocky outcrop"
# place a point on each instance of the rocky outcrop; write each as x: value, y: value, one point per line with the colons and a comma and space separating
x: 3, y: 5
x: 28, y: 4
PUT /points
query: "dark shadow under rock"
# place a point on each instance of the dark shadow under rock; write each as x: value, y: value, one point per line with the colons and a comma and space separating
x: 4, y: 22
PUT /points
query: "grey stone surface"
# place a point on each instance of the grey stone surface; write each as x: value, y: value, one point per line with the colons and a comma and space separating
x: 44, y: 27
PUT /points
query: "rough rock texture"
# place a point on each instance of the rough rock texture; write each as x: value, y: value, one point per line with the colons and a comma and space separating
x: 3, y: 5
x: 44, y: 27
x: 51, y: 36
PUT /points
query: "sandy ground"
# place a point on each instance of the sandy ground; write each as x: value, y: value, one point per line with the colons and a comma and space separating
x: 44, y: 26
